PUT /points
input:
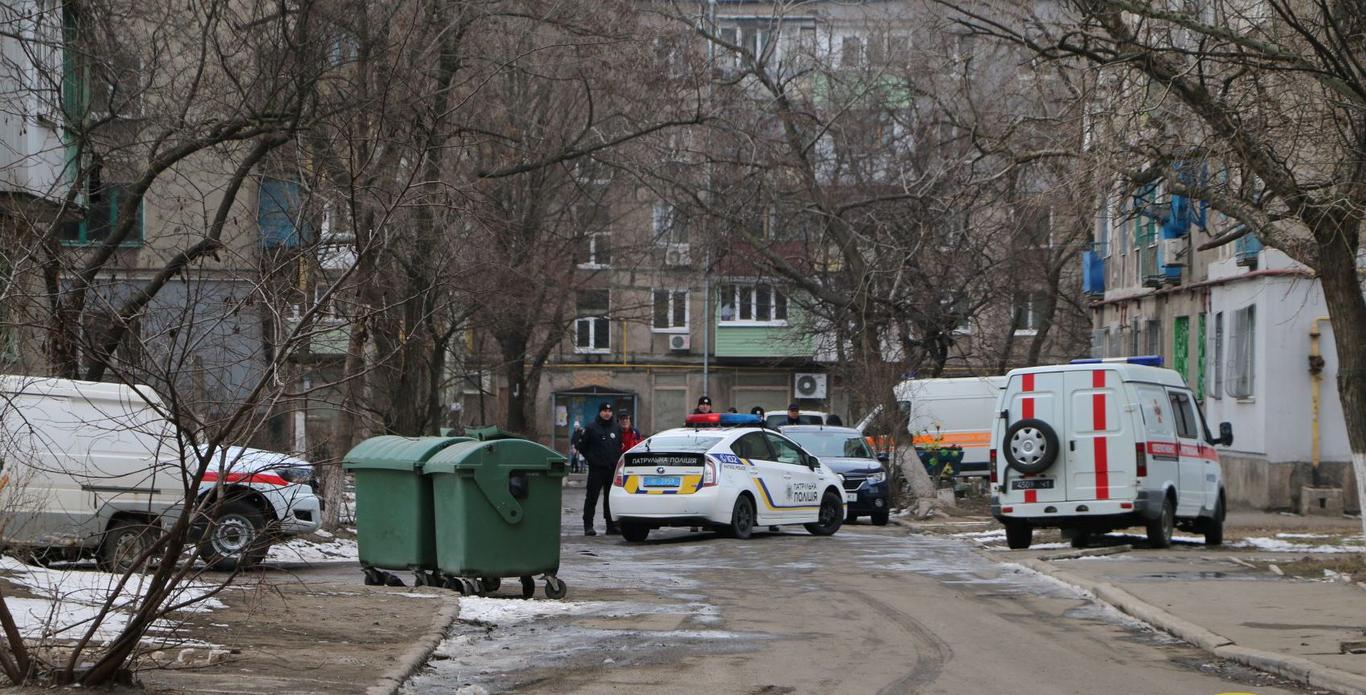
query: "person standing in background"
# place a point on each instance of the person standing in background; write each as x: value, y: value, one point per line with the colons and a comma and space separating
x: 629, y: 435
x: 575, y: 460
x: 601, y: 447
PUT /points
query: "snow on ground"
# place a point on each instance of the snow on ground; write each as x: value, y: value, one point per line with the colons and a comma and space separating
x: 67, y: 600
x: 314, y: 552
x: 501, y: 611
x: 1280, y: 544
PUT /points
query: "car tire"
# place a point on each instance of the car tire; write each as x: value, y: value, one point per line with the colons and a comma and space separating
x: 851, y: 518
x: 1019, y: 535
x: 125, y: 540
x: 635, y: 533
x: 236, y: 538
x: 1160, y: 529
x: 1030, y: 446
x: 1214, y: 527
x: 831, y: 516
x: 881, y: 518
x: 742, y: 518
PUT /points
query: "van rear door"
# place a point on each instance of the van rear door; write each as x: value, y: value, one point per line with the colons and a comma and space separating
x: 1100, y: 445
x: 1037, y: 396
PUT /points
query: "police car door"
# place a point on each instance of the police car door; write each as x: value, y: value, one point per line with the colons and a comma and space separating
x: 1191, y: 489
x: 801, y: 484
x: 766, y: 476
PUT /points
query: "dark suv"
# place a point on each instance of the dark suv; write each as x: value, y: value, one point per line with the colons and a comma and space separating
x: 844, y: 450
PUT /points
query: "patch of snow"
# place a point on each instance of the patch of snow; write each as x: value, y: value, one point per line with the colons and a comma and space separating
x: 314, y: 552
x: 1279, y: 545
x: 501, y: 611
x: 67, y: 601
x: 1302, y: 535
x: 982, y: 535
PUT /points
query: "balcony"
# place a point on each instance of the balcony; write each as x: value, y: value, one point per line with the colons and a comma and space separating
x: 1246, y: 250
x: 1092, y: 274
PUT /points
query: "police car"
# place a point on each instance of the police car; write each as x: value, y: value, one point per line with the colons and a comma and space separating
x: 724, y: 471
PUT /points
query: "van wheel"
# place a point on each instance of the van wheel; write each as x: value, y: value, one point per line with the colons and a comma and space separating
x: 1031, y: 446
x: 1019, y: 535
x: 123, y: 543
x: 236, y: 538
x: 741, y: 518
x: 1214, y: 527
x: 1160, y: 529
x: 831, y: 516
x: 1081, y: 539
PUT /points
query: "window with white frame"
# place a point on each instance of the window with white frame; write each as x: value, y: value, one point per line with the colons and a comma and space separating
x: 670, y: 311
x: 593, y: 328
x: 756, y: 303
x: 595, y: 250
x: 1243, y: 353
x: 667, y: 225
x: 1028, y: 308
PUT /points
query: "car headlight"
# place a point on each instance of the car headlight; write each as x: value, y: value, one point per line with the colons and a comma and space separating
x: 877, y: 477
x: 298, y: 475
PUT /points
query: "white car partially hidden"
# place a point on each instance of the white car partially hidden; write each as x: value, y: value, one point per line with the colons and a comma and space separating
x: 727, y: 472
x: 265, y: 495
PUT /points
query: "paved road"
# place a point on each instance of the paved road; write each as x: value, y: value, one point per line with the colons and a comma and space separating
x: 870, y: 610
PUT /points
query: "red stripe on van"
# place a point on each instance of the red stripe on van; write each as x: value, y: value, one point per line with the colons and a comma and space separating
x: 1102, y: 454
x: 1027, y: 404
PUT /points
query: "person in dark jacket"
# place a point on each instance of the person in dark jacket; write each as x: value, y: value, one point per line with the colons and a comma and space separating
x: 794, y: 414
x: 600, y: 445
x: 630, y: 436
x: 703, y: 406
x: 575, y: 460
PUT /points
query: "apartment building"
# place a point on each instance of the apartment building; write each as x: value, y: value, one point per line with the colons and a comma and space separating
x: 1242, y: 324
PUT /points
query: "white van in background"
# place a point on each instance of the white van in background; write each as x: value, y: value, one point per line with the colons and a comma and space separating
x: 958, y: 411
x: 90, y: 468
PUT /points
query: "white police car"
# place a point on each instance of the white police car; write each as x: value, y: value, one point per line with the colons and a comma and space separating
x: 724, y: 471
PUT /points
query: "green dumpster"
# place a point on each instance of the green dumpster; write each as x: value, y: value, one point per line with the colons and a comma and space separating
x: 497, y: 510
x: 394, y: 505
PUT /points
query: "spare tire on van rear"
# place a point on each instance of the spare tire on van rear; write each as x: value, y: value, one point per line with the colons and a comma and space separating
x: 1030, y: 446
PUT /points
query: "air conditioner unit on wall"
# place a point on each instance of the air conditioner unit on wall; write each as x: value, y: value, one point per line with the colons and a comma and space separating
x: 811, y: 385
x: 680, y: 342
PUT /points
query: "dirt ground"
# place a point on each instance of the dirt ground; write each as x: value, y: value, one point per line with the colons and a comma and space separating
x: 312, y: 631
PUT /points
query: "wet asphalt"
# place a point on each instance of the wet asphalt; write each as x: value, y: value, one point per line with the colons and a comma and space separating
x: 871, y: 609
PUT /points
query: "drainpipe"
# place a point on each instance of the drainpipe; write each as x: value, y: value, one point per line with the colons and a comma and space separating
x: 1316, y: 385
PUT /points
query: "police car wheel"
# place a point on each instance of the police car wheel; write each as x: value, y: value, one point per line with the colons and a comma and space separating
x: 1030, y: 446
x: 831, y: 516
x: 741, y: 518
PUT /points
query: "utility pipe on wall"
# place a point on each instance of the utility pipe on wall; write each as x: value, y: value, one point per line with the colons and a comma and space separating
x: 1316, y: 364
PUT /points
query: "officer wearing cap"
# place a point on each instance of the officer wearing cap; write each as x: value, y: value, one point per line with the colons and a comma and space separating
x: 600, y: 445
x: 794, y: 414
x: 703, y: 406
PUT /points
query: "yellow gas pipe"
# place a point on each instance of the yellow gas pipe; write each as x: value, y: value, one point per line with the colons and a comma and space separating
x: 1316, y: 379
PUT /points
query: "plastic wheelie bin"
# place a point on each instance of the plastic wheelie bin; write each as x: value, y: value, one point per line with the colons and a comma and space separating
x: 394, y: 527
x: 496, y: 503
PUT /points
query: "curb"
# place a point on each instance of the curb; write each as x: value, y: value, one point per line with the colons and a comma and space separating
x: 418, y: 653
x: 1294, y: 668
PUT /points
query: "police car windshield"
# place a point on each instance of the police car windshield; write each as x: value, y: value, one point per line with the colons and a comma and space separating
x: 690, y: 443
x: 832, y: 444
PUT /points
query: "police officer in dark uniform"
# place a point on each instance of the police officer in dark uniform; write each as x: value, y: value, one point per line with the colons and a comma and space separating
x: 703, y: 406
x: 600, y: 445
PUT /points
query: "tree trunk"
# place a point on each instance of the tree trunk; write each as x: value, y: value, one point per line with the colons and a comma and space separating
x: 1347, y: 311
x: 332, y: 478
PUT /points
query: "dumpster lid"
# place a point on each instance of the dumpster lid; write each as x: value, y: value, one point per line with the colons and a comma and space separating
x: 389, y: 452
x: 488, y: 434
x: 518, y: 454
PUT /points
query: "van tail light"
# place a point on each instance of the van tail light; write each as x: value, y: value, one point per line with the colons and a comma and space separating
x: 709, y: 474
x: 619, y: 480
x: 1141, y: 459
x: 991, y: 457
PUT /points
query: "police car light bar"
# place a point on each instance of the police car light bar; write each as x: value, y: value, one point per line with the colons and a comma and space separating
x: 723, y: 420
x: 1145, y: 360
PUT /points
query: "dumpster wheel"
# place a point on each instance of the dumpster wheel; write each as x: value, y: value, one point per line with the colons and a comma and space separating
x: 554, y: 587
x: 490, y: 584
x: 528, y: 587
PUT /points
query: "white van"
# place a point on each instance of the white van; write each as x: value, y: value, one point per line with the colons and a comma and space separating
x: 1099, y: 445
x: 957, y: 411
x: 88, y: 468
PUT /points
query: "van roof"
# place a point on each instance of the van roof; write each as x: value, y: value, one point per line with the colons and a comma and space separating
x: 1128, y: 372
x: 909, y: 388
x: 90, y: 390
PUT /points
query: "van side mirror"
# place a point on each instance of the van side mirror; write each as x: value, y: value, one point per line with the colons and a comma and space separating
x: 1225, y: 434
x: 813, y: 463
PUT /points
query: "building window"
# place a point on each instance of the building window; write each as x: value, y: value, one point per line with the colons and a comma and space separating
x: 595, y: 250
x: 103, y: 203
x: 280, y: 214
x: 1242, y: 356
x: 1153, y: 333
x: 758, y: 303
x: 1218, y: 367
x: 1028, y: 316
x: 667, y: 225
x: 670, y: 311
x: 592, y: 328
